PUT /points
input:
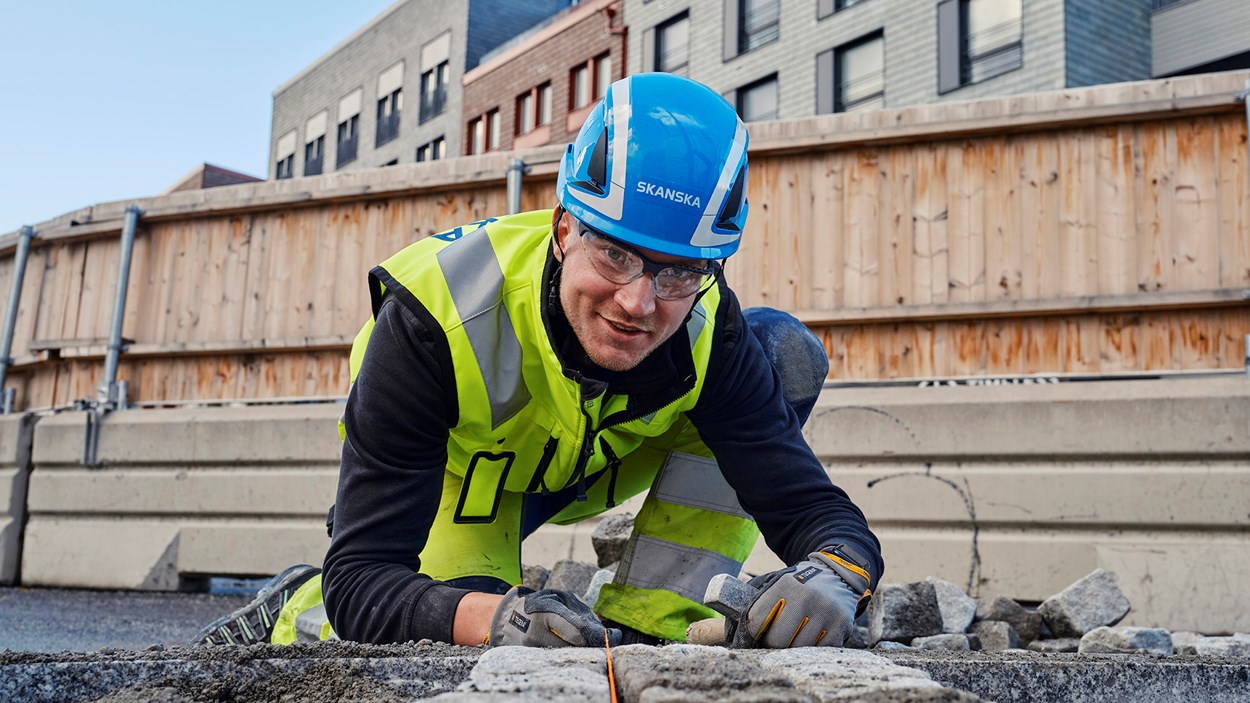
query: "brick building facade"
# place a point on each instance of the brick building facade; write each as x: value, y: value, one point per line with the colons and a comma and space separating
x: 538, y: 88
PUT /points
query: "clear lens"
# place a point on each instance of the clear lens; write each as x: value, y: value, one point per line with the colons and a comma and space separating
x: 622, y: 266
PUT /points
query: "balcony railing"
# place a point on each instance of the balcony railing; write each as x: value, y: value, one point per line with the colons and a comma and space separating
x: 388, y: 128
x: 1160, y: 5
x: 432, y: 103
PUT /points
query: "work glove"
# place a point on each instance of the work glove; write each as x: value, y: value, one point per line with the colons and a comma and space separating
x: 547, y: 618
x: 810, y: 604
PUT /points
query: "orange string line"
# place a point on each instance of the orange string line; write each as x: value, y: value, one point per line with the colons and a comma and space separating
x: 607, y: 648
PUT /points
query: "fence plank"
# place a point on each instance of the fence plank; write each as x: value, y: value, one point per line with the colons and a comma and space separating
x: 1195, y: 216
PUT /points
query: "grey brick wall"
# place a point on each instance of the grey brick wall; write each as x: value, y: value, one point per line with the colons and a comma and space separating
x: 911, y: 60
x: 397, y: 34
x: 1107, y: 41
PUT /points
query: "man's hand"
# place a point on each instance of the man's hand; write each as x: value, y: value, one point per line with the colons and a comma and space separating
x: 810, y: 604
x: 547, y: 618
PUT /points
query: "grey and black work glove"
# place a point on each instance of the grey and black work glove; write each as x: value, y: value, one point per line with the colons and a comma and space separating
x: 810, y: 604
x: 547, y: 618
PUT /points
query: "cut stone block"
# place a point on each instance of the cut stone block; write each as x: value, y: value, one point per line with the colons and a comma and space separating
x: 571, y: 576
x: 597, y: 582
x: 1125, y: 640
x: 903, y: 612
x: 610, y: 537
x: 1094, y: 601
x: 889, y: 644
x: 1183, y: 642
x: 534, y: 576
x: 957, y: 608
x: 996, y: 636
x: 537, y: 674
x: 1027, y: 623
x: 946, y: 642
x: 1222, y: 647
x: 688, y: 672
x: 829, y: 675
x: 1063, y: 645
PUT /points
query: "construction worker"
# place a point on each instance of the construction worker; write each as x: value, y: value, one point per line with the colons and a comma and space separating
x: 542, y: 367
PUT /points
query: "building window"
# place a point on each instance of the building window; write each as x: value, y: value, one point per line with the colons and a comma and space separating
x: 758, y: 100
x: 672, y: 45
x: 389, y: 107
x: 533, y: 109
x: 432, y: 151
x: 348, y: 139
x: 859, y: 69
x: 525, y: 112
x: 978, y: 40
x: 603, y: 74
x: 579, y: 87
x: 477, y: 136
x: 484, y: 133
x: 286, y: 167
x: 824, y: 8
x: 544, y: 104
x: 284, y: 151
x: 758, y: 23
x: 314, y: 151
x: 492, y: 130
x: 434, y: 91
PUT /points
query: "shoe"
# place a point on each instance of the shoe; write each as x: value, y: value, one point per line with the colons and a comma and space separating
x: 253, y: 623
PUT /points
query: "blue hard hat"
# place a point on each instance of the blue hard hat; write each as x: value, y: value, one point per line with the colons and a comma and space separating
x: 660, y: 163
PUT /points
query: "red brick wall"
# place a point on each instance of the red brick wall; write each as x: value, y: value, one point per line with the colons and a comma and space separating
x: 547, y: 58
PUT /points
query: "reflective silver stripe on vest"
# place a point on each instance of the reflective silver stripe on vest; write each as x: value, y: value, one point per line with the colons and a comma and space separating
x: 686, y: 571
x: 476, y: 282
x: 694, y: 327
x: 696, y: 481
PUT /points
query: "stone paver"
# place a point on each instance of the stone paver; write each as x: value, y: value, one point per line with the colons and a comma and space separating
x: 996, y: 636
x: 1120, y: 640
x: 610, y: 537
x: 903, y: 612
x: 956, y: 607
x: 1027, y: 623
x: 1093, y: 601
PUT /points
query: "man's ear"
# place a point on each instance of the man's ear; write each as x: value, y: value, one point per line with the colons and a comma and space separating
x: 560, y: 232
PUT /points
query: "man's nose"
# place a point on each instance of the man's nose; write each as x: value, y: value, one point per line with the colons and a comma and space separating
x: 637, y: 298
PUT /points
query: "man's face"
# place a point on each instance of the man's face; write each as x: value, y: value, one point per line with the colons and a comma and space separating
x: 618, y: 325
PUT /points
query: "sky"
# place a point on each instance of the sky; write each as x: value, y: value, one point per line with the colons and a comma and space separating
x: 103, y: 101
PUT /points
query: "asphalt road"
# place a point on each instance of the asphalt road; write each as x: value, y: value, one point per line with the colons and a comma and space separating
x: 52, y: 620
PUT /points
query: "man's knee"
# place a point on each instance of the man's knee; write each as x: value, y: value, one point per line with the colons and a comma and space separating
x: 795, y: 352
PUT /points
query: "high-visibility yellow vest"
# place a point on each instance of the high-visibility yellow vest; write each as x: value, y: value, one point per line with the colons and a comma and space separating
x: 525, y: 427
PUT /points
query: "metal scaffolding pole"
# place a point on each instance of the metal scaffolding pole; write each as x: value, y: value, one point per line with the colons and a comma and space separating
x: 10, y: 318
x: 516, y: 170
x: 108, y: 392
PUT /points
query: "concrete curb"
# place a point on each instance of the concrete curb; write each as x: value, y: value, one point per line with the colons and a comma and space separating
x: 1032, y: 677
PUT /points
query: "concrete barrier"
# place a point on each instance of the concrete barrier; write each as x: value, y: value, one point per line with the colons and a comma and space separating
x: 1021, y: 490
x: 182, y: 492
x: 15, y: 438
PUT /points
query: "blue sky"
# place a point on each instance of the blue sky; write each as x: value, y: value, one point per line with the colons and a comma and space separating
x: 104, y: 101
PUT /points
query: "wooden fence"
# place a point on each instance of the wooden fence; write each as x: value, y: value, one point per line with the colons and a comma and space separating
x: 1091, y: 231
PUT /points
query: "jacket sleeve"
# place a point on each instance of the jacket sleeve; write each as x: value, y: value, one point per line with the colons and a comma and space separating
x: 390, y: 483
x: 758, y: 443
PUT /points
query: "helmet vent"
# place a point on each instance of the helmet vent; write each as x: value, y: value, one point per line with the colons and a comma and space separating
x: 597, y: 167
x: 733, y: 203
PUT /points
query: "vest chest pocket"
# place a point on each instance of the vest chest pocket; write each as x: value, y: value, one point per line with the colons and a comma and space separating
x: 483, y: 487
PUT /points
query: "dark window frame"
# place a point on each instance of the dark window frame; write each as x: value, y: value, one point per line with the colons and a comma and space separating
x: 827, y: 8
x: 314, y: 156
x: 434, y: 92
x: 839, y: 102
x: 285, y: 168
x: 390, y: 107
x: 347, y: 141
x: 762, y: 36
x: 741, y: 93
x: 683, y: 68
x: 433, y: 150
x: 957, y: 66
